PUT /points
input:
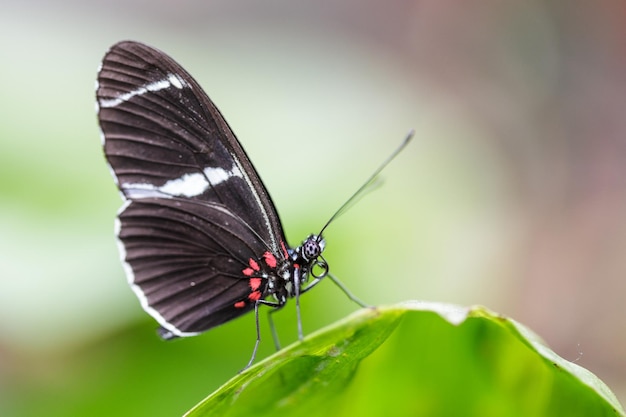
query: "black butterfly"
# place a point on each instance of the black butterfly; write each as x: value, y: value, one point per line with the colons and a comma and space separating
x: 199, y: 236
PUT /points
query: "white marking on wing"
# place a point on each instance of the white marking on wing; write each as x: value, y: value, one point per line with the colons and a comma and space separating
x: 176, y: 81
x: 138, y: 191
x: 172, y: 80
x: 188, y: 185
x: 219, y: 175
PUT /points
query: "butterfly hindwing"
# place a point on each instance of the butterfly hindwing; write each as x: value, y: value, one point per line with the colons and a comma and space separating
x: 186, y: 260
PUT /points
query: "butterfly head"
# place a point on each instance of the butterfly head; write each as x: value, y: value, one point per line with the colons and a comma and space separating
x: 309, y: 255
x: 312, y: 247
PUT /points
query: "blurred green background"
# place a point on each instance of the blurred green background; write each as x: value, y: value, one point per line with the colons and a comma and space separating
x: 512, y: 195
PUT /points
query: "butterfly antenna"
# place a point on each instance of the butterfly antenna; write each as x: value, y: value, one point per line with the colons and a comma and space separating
x: 366, y: 187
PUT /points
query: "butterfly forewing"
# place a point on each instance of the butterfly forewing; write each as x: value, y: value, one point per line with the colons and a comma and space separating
x: 196, y: 210
x: 163, y: 135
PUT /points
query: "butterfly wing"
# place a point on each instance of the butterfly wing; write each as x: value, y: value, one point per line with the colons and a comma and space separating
x: 184, y: 260
x: 196, y: 209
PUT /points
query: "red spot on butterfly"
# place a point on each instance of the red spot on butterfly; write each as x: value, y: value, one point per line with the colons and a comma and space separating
x: 248, y: 272
x: 270, y: 259
x: 282, y: 245
x: 255, y: 283
x: 253, y: 264
x: 255, y: 296
x: 240, y: 304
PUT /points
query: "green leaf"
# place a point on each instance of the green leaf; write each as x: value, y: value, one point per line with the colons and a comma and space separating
x: 415, y: 359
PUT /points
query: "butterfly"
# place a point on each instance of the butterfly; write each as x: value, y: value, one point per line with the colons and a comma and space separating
x: 200, y: 239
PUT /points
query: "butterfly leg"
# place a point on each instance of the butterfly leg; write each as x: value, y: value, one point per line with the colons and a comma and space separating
x: 272, y: 327
x: 276, y: 306
x: 258, y: 335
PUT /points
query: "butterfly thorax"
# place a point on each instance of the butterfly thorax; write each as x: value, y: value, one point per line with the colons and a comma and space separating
x: 289, y: 276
